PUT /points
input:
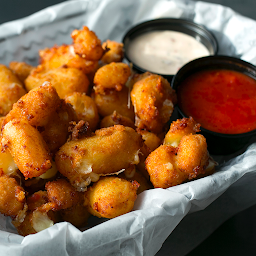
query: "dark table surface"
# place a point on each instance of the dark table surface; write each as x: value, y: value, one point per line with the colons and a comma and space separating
x: 237, y: 235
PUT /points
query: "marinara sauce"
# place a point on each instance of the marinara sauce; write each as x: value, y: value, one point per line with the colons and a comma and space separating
x: 222, y: 101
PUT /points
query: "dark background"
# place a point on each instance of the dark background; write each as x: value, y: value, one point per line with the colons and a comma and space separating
x: 237, y: 236
x: 16, y: 9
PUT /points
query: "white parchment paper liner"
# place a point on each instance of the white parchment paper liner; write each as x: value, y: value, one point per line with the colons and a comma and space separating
x: 157, y: 212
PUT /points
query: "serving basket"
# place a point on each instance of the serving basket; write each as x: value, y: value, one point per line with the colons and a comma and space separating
x: 185, y: 214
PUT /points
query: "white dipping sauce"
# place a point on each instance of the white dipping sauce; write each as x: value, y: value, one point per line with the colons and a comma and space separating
x: 165, y: 52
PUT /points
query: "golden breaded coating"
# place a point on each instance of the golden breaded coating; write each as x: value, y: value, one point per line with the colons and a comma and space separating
x: 64, y: 80
x: 64, y: 56
x: 112, y: 76
x: 114, y: 52
x: 37, y: 199
x: 77, y: 215
x: 25, y: 228
x: 111, y: 197
x: 118, y: 101
x: 85, y: 108
x: 108, y: 151
x: 36, y: 106
x: 12, y: 196
x: 55, y: 132
x: 87, y: 44
x: 150, y: 139
x: 184, y: 156
x: 11, y: 89
x: 21, y: 69
x: 27, y: 147
x: 136, y: 175
x: 153, y: 100
x: 8, y: 77
x: 192, y: 156
x: 116, y: 119
x: 162, y: 168
x: 179, y: 128
x: 39, y: 216
x: 62, y: 194
x: 1, y: 121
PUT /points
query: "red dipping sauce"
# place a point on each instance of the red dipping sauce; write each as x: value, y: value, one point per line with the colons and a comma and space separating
x: 222, y: 101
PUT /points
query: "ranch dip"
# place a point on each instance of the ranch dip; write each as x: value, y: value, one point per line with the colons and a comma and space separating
x: 165, y: 52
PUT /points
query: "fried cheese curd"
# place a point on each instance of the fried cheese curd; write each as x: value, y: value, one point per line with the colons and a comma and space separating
x: 151, y: 140
x: 36, y: 107
x: 192, y: 156
x: 108, y: 151
x: 33, y: 201
x: 112, y: 76
x: 153, y: 100
x: 85, y: 108
x: 60, y: 202
x: 87, y: 44
x: 111, y: 197
x: 40, y: 214
x: 11, y: 89
x: 64, y: 56
x: 169, y: 165
x: 65, y: 80
x: 12, y: 198
x: 62, y: 194
x: 21, y: 69
x: 27, y: 147
x: 179, y: 128
x: 118, y: 101
x: 116, y: 119
x: 53, y: 205
x: 25, y: 228
x: 114, y: 52
x: 55, y: 132
x: 67, y: 201
x: 110, y: 91
x: 160, y: 165
x: 35, y: 129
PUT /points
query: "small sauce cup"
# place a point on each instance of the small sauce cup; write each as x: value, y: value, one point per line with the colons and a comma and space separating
x: 218, y: 143
x: 184, y: 29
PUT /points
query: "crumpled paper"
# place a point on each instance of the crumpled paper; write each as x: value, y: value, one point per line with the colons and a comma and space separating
x: 185, y: 214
